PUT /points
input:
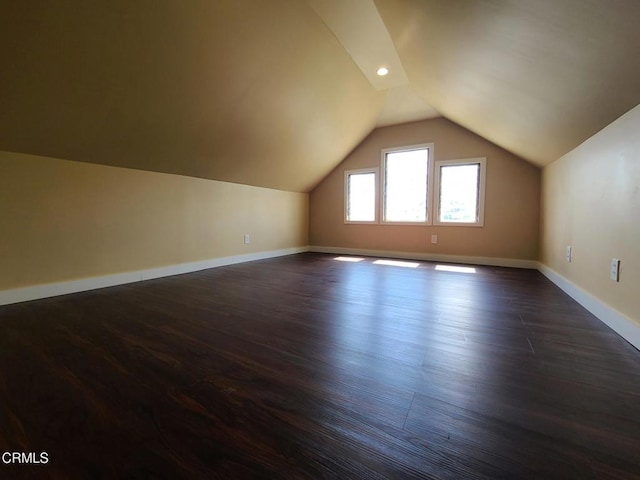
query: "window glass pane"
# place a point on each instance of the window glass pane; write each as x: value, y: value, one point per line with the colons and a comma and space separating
x: 406, y: 186
x: 361, y: 197
x: 459, y: 193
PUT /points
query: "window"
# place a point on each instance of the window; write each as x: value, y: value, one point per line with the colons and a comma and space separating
x: 416, y: 190
x: 405, y: 184
x: 360, y: 196
x: 459, y: 192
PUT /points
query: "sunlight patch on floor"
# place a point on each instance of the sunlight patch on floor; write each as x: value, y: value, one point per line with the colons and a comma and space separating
x: 455, y: 268
x: 396, y: 263
x: 349, y: 259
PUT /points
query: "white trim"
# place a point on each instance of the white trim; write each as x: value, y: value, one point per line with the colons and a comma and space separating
x: 482, y: 179
x: 620, y: 323
x: 429, y: 257
x: 376, y: 188
x: 73, y: 286
x: 430, y: 147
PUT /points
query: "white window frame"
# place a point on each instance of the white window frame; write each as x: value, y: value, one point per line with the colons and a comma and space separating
x: 430, y: 182
x: 376, y: 189
x: 481, y: 191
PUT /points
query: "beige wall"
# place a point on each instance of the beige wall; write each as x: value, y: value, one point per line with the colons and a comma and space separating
x: 591, y: 201
x: 511, y: 227
x: 63, y: 220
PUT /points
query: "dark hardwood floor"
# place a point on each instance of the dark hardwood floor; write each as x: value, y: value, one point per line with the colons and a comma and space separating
x: 309, y: 367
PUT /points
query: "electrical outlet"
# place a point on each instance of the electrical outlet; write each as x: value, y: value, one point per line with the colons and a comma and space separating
x: 568, y: 253
x: 434, y: 239
x: 247, y: 238
x: 615, y: 269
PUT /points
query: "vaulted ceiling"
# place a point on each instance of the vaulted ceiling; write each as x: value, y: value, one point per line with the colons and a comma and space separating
x: 276, y: 93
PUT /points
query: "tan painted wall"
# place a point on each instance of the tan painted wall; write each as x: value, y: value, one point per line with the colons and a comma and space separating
x: 63, y: 220
x: 591, y: 201
x: 512, y: 199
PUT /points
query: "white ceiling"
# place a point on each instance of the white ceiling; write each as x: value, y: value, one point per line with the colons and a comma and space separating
x: 535, y: 77
x: 358, y: 27
x: 403, y: 104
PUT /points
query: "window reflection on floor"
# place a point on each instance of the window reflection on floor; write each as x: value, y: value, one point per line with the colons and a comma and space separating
x: 386, y: 322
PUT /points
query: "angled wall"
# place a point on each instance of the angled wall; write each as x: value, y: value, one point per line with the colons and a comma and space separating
x: 64, y: 220
x: 512, y: 201
x: 591, y: 201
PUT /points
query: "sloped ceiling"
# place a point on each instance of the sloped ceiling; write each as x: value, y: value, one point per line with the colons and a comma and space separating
x: 537, y: 77
x: 264, y: 92
x: 246, y: 91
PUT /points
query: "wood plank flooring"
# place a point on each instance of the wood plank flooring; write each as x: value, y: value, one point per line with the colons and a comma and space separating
x: 309, y: 367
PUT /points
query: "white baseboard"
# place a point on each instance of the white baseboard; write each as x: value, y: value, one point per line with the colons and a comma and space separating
x: 620, y: 323
x: 430, y: 257
x: 73, y: 286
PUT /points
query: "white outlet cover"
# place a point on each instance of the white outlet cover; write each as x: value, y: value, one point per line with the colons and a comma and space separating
x: 568, y: 254
x: 615, y: 269
x: 434, y: 239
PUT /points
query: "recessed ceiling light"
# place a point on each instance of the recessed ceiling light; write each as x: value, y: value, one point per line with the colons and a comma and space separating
x: 382, y: 71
